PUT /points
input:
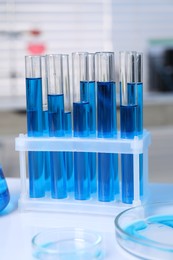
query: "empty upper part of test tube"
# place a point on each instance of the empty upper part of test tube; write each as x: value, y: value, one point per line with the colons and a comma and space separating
x: 44, y: 83
x: 79, y: 72
x: 54, y: 74
x: 128, y: 72
x: 91, y: 67
x: 66, y: 82
x: 105, y: 66
x: 32, y: 66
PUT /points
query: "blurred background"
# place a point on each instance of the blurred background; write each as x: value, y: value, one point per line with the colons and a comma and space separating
x: 65, y: 26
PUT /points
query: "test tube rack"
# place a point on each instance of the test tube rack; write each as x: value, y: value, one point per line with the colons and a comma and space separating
x: 138, y: 145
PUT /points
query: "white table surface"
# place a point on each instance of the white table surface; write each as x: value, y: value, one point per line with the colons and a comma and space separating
x: 17, y: 228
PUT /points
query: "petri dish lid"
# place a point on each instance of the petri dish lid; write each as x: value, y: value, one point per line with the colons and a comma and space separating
x: 67, y: 244
x: 147, y: 231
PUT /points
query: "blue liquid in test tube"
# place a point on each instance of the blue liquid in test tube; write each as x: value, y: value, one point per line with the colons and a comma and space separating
x: 140, y: 112
x: 47, y: 166
x: 81, y: 110
x: 56, y: 124
x: 128, y: 119
x: 87, y: 92
x: 56, y: 119
x: 68, y: 155
x: 4, y: 192
x: 46, y: 154
x: 67, y: 120
x: 106, y: 118
x: 128, y: 115
x: 140, y: 108
x: 81, y: 159
x: 34, y: 128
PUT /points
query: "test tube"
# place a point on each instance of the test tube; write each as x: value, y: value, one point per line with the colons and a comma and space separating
x: 128, y: 119
x: 67, y: 119
x: 139, y: 79
x: 82, y: 188
x: 106, y: 124
x: 139, y: 68
x: 88, y: 94
x: 45, y: 120
x: 34, y: 124
x: 56, y: 123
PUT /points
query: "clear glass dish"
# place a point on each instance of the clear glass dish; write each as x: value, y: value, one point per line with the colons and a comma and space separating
x: 67, y: 244
x: 147, y: 231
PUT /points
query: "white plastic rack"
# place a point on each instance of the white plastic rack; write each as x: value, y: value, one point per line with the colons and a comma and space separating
x: 136, y: 146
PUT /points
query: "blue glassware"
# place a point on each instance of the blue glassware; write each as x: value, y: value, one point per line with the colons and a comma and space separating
x: 4, y: 192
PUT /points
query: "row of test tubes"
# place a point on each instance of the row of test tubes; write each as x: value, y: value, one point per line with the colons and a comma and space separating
x: 84, y: 109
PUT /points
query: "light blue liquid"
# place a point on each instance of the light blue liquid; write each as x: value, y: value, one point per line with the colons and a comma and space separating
x: 107, y: 128
x: 87, y: 93
x: 47, y: 166
x: 128, y: 130
x: 82, y: 188
x: 56, y: 128
x: 156, y: 228
x: 68, y: 155
x: 4, y: 192
x: 35, y: 128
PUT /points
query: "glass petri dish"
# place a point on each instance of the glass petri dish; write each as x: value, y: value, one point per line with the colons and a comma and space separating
x: 67, y: 244
x: 147, y: 231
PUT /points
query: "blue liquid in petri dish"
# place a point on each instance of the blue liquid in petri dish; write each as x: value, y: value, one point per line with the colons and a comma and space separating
x: 35, y: 129
x: 157, y: 228
x: 82, y: 188
x: 69, y: 155
x: 128, y: 130
x: 88, y: 94
x: 4, y: 192
x: 107, y: 128
x: 56, y: 129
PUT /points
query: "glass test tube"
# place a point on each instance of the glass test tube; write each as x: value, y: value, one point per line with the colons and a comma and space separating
x: 139, y: 79
x: 106, y: 124
x: 88, y: 94
x: 82, y: 187
x: 139, y: 68
x: 128, y: 119
x: 56, y: 123
x: 34, y: 124
x: 47, y: 167
x: 67, y: 119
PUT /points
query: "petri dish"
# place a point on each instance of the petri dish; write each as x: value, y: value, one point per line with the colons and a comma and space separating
x: 147, y: 231
x: 67, y: 244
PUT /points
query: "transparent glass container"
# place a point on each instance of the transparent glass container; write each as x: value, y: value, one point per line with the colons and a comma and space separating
x: 147, y: 231
x: 67, y: 244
